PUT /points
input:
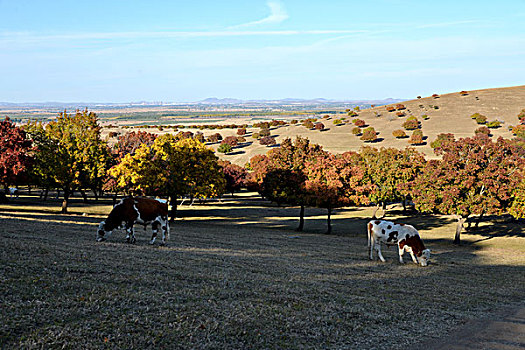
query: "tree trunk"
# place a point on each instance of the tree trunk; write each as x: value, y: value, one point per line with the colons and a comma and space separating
x: 329, y: 221
x: 459, y: 227
x: 66, y: 201
x: 404, y: 205
x: 301, y: 219
x: 480, y: 217
x: 84, y: 195
x: 383, y: 205
x: 173, y: 213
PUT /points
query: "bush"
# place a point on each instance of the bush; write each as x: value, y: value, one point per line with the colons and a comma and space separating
x: 230, y: 140
x: 482, y: 130
x: 519, y: 131
x: 369, y: 134
x: 267, y: 141
x: 241, y: 139
x: 481, y: 119
x: 411, y: 124
x: 337, y: 122
x: 241, y: 131
x: 199, y: 136
x: 400, y: 107
x: 400, y: 114
x: 308, y: 124
x: 215, y: 137
x: 319, y: 126
x: 494, y: 124
x: 463, y: 93
x: 264, y: 132
x: 416, y: 138
x: 440, y: 138
x: 294, y: 121
x: 113, y: 134
x: 359, y: 122
x: 399, y: 134
x: 255, y: 135
x: 224, y: 148
x: 390, y: 108
x: 425, y: 117
x: 352, y: 114
x: 356, y: 131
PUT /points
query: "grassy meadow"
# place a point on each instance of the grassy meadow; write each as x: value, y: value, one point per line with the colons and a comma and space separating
x: 236, y: 275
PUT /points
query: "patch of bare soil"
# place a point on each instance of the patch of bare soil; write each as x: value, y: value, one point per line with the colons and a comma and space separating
x: 236, y: 275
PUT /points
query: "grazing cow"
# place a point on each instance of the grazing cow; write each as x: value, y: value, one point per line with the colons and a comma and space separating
x: 130, y: 211
x: 404, y: 236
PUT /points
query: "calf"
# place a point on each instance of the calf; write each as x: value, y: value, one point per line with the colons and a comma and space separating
x: 404, y: 236
x: 139, y: 210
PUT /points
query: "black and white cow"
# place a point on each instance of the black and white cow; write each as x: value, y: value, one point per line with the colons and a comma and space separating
x: 404, y: 236
x: 131, y: 211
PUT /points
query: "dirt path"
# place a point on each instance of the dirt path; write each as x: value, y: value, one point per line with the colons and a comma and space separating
x: 506, y: 330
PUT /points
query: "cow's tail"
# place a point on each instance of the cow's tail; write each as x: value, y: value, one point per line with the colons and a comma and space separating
x: 369, y: 230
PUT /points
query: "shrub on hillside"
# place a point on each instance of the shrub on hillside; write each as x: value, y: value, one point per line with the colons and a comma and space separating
x: 440, y: 139
x: 294, y: 121
x: 482, y: 130
x: 359, y: 122
x: 463, y: 93
x: 425, y: 117
x: 399, y: 134
x: 356, y: 131
x: 241, y: 131
x: 400, y: 107
x: 411, y: 124
x: 352, y: 114
x: 264, y: 132
x: 215, y: 137
x: 390, y: 108
x: 308, y: 124
x: 494, y: 124
x: 416, y: 138
x: 369, y: 134
x: 481, y: 119
x: 319, y: 126
x: 256, y: 135
x: 224, y: 148
x: 230, y: 140
x: 435, y: 95
x: 400, y: 114
x: 337, y: 122
x: 475, y: 115
x: 241, y: 139
x: 519, y: 131
x: 267, y: 141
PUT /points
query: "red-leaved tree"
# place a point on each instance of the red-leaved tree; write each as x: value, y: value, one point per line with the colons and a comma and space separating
x: 15, y: 154
x: 474, y: 176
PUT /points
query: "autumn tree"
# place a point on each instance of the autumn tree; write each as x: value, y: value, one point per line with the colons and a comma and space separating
x: 70, y: 152
x: 474, y: 176
x: 131, y: 141
x: 517, y: 209
x: 16, y: 153
x: 389, y: 170
x: 172, y: 168
x: 234, y: 175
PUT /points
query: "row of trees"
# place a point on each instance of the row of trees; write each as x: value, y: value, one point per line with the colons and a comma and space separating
x: 475, y: 176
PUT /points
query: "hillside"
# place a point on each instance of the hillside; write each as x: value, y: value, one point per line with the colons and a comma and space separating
x: 452, y: 116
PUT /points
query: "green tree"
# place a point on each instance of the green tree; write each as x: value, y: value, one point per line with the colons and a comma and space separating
x: 70, y: 153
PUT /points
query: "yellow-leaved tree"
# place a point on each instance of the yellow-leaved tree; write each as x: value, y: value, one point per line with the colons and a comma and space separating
x: 173, y: 168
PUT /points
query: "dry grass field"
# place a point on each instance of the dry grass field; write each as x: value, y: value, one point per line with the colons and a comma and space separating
x: 236, y: 275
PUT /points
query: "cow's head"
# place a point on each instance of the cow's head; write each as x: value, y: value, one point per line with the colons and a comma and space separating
x: 102, y: 232
x: 425, y: 257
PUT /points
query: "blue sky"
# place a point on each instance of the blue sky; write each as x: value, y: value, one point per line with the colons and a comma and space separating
x: 121, y: 51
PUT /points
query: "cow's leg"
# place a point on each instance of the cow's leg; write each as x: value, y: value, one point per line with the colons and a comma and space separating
x: 371, y: 246
x: 165, y: 229
x: 414, y: 259
x: 154, y: 227
x: 378, y: 248
x: 130, y: 237
x: 401, y: 252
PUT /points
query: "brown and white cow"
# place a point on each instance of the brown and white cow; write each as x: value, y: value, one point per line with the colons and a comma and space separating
x: 404, y: 236
x: 143, y: 211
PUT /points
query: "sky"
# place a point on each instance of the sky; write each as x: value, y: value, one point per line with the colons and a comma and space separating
x: 125, y: 50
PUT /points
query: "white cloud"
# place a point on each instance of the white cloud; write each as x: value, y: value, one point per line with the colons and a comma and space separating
x: 277, y: 15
